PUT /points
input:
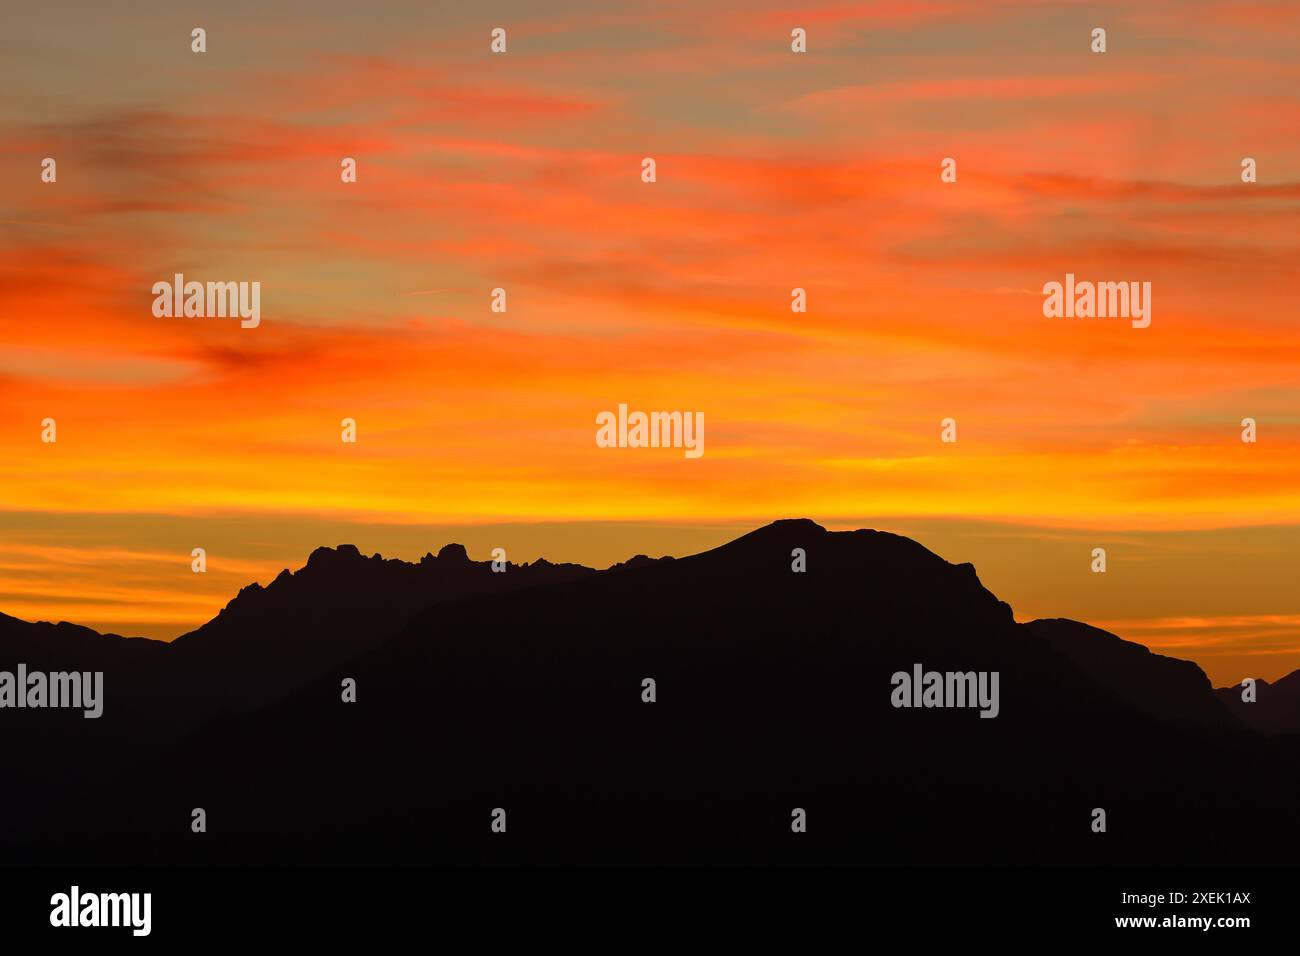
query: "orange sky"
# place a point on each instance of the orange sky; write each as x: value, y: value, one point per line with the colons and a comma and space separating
x: 775, y: 170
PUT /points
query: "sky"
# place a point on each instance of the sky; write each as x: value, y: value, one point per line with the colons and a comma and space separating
x: 775, y: 170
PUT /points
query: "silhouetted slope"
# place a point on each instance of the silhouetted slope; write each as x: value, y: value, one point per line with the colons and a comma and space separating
x: 54, y: 645
x: 48, y: 751
x: 773, y: 692
x: 269, y: 640
x: 1276, y: 708
x: 1164, y: 687
x: 131, y: 665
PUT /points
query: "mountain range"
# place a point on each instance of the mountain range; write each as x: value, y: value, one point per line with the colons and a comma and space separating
x: 525, y: 690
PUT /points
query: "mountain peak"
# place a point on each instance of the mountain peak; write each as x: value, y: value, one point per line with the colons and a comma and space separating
x: 454, y: 552
x: 638, y: 561
x: 1161, y: 686
x: 788, y: 530
x: 792, y: 524
x: 326, y: 556
x: 1275, y: 708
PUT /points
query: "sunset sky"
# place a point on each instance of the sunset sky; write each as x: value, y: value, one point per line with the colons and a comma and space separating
x: 775, y: 170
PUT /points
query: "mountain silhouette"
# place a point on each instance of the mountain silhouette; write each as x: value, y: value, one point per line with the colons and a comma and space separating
x: 525, y: 691
x: 269, y: 640
x: 1163, y: 687
x: 1276, y: 708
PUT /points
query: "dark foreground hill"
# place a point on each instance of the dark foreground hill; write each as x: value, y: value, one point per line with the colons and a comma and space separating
x: 525, y: 692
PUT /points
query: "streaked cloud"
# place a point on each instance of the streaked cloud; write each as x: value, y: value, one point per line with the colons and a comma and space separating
x: 775, y: 172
